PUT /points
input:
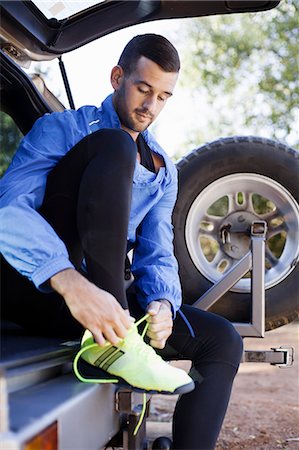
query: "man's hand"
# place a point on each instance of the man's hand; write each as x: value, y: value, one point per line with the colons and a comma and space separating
x: 93, y: 307
x: 160, y: 322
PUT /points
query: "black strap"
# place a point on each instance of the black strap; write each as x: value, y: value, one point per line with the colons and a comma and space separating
x: 146, y: 157
x: 127, y: 269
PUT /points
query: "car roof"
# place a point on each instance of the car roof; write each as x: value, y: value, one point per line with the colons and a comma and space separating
x: 27, y: 33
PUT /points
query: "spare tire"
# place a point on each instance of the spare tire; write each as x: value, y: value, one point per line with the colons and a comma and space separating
x: 225, y: 186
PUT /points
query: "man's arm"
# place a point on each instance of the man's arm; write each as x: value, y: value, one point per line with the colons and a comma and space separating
x: 27, y: 241
x: 31, y: 245
x: 93, y: 307
x: 155, y: 267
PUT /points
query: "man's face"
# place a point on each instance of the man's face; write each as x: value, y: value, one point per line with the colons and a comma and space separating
x: 139, y: 98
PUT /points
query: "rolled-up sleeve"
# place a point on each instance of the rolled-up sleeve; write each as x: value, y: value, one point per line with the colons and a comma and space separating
x: 27, y: 241
x: 154, y: 265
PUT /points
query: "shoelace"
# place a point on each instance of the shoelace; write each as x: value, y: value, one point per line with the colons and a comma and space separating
x: 104, y: 380
x: 144, y: 351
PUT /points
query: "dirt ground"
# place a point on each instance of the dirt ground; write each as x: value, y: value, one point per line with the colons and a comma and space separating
x: 264, y: 408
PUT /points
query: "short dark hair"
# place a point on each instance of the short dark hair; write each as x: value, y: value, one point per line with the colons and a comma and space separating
x: 152, y: 46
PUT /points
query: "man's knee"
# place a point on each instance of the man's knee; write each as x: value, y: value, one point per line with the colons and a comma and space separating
x: 229, y: 344
x: 114, y: 144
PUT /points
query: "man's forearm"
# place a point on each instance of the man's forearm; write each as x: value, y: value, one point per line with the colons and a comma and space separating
x: 94, y: 308
x: 65, y: 281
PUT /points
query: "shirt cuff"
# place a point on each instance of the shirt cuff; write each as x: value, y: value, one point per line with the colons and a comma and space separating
x: 47, y: 271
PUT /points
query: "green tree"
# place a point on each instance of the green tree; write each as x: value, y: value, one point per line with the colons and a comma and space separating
x: 10, y: 137
x: 245, y: 66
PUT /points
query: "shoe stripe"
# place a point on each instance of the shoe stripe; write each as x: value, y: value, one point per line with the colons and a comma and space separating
x: 112, y: 359
x: 103, y: 363
x: 98, y: 362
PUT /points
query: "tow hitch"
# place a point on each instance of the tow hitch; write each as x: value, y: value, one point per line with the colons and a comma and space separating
x: 281, y: 357
x: 254, y: 261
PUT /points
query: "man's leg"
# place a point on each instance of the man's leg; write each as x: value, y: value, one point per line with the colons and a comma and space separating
x: 87, y: 202
x: 215, y: 349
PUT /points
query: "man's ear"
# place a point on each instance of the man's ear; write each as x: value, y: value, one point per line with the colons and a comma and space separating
x: 117, y: 76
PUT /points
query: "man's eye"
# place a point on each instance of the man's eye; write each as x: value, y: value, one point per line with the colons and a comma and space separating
x: 143, y: 91
x: 162, y: 99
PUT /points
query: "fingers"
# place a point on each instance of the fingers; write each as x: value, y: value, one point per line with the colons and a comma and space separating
x: 111, y: 336
x: 98, y: 311
x: 154, y: 308
x: 120, y: 330
x: 99, y: 338
x: 163, y: 326
x: 159, y: 312
x: 116, y: 324
x: 158, y: 344
x: 115, y: 329
x: 127, y: 319
x: 160, y: 323
x: 159, y: 335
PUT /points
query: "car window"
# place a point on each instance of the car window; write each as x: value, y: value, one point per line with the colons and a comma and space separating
x: 10, y: 137
x: 61, y: 10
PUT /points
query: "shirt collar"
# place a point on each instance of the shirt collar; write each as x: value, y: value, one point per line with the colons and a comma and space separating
x: 111, y: 120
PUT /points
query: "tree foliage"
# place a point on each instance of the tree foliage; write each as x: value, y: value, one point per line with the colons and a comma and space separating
x: 247, y: 67
x: 10, y: 137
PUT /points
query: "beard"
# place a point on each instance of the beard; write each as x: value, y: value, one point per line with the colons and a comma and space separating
x: 138, y: 120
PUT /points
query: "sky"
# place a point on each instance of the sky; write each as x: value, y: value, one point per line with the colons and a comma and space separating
x: 187, y: 112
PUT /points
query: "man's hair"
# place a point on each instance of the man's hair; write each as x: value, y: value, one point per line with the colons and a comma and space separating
x: 152, y: 46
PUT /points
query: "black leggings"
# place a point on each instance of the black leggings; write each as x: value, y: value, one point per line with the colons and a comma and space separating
x: 87, y: 202
x: 215, y: 349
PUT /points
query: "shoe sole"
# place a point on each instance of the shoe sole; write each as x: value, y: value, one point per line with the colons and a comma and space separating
x: 91, y: 372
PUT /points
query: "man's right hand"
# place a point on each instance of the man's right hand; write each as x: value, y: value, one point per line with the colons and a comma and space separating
x: 93, y: 307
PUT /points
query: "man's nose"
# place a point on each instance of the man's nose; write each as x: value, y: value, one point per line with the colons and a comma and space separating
x: 150, y: 103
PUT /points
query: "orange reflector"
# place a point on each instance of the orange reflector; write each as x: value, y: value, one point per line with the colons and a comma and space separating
x: 45, y: 440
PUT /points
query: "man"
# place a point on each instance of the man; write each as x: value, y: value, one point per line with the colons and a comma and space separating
x: 86, y: 187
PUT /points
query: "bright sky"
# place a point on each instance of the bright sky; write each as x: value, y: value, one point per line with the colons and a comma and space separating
x: 89, y: 69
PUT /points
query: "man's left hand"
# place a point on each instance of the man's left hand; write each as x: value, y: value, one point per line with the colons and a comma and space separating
x: 160, y: 322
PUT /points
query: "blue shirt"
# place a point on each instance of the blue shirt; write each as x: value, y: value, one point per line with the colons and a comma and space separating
x: 31, y: 245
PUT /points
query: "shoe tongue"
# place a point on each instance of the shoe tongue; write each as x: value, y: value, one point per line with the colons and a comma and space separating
x: 133, y: 336
x: 132, y: 339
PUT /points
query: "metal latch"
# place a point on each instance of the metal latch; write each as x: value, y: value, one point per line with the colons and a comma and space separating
x: 278, y: 356
x: 259, y: 228
x: 288, y: 353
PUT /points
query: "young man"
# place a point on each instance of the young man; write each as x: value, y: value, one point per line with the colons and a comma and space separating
x: 86, y: 187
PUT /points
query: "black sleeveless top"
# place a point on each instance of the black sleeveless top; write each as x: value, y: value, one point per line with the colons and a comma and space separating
x: 146, y: 157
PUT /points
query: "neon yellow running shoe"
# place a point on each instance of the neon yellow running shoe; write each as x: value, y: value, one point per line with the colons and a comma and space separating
x: 133, y: 364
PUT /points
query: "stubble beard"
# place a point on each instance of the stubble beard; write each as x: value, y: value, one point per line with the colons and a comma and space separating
x: 126, y: 119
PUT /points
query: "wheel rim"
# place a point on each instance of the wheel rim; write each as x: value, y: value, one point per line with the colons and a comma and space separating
x: 224, y: 211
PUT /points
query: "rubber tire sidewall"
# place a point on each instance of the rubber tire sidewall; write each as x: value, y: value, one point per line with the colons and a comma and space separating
x: 197, y: 171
